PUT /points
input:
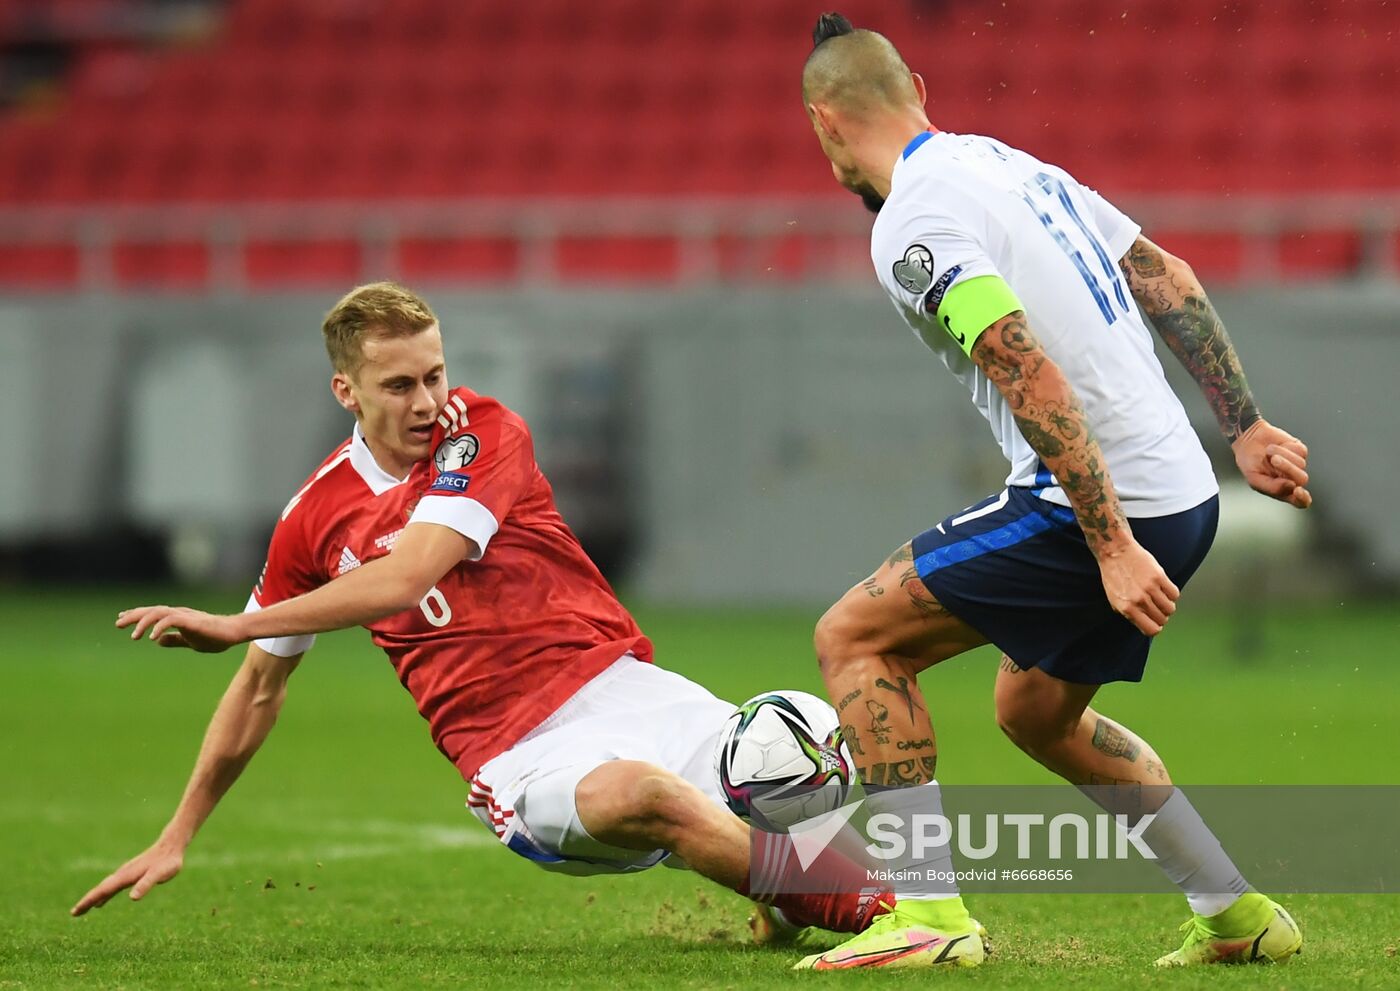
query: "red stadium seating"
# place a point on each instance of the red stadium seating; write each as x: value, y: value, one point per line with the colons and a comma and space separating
x: 458, y: 260
x: 290, y: 264
x: 597, y: 98
x: 39, y: 266
x: 160, y: 265
x: 413, y: 99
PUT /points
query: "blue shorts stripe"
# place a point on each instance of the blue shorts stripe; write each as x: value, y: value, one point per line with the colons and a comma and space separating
x: 1018, y: 570
x: 533, y: 851
x: 983, y: 543
x: 1043, y: 479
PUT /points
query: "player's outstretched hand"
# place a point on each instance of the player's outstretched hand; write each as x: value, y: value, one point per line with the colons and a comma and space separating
x: 1274, y: 462
x: 1137, y: 587
x: 141, y: 873
x: 175, y: 626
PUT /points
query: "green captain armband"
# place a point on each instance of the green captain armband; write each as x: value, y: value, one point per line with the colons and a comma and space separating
x: 972, y: 306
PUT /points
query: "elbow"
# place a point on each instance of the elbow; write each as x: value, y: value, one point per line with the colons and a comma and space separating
x: 1178, y: 268
x: 405, y: 591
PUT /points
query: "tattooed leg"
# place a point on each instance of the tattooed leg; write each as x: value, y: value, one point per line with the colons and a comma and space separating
x: 1051, y: 721
x: 871, y: 646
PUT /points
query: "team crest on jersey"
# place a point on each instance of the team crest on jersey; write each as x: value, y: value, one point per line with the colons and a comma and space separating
x: 455, y: 453
x: 915, y: 270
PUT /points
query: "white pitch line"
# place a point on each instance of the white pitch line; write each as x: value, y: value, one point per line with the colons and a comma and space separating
x: 409, y: 839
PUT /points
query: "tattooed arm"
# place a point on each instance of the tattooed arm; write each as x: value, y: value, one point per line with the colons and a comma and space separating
x: 1273, y: 461
x: 1050, y: 417
x: 1178, y: 307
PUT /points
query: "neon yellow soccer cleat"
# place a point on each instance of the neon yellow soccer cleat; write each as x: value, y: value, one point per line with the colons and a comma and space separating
x: 1253, y: 930
x: 902, y: 939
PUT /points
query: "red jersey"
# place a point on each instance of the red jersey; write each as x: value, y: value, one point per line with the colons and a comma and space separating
x: 507, y: 636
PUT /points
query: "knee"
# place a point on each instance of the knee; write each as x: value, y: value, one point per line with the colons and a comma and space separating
x: 644, y: 798
x: 1032, y: 730
x: 837, y: 637
x: 662, y: 797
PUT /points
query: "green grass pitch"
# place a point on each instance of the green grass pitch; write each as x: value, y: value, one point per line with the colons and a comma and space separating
x: 344, y: 857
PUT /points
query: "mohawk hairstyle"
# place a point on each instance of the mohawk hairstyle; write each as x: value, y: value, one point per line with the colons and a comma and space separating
x: 830, y: 25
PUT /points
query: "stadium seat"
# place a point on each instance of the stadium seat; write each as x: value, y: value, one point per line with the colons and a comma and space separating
x: 617, y: 259
x: 1319, y: 254
x: 288, y: 264
x: 38, y: 267
x: 160, y: 265
x: 458, y: 260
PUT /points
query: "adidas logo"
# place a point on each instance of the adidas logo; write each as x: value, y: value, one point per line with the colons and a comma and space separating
x: 348, y: 562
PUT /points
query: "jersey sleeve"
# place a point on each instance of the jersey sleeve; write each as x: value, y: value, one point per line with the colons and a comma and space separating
x: 476, y: 475
x: 973, y: 305
x: 289, y: 572
x: 1118, y: 229
x: 926, y: 258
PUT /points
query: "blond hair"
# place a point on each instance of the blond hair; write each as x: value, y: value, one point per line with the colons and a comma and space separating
x: 384, y: 309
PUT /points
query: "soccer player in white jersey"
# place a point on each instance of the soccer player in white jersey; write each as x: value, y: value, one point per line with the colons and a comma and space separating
x: 1027, y: 286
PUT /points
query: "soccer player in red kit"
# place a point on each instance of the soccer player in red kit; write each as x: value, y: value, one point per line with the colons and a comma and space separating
x: 433, y: 527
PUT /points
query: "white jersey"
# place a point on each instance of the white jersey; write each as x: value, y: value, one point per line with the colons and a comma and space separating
x: 962, y: 206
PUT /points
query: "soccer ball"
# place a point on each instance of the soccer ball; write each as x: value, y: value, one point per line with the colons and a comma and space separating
x: 781, y: 760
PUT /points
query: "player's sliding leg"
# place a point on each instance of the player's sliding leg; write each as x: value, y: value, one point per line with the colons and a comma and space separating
x: 1050, y: 719
x: 633, y: 805
x: 871, y: 647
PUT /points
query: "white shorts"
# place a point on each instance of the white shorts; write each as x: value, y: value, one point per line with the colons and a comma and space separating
x: 631, y: 711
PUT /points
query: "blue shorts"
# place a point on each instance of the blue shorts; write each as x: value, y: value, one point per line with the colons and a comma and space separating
x: 1018, y: 571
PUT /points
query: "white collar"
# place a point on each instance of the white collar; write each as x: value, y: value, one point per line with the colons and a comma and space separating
x: 362, y: 460
x: 904, y: 157
x: 894, y: 174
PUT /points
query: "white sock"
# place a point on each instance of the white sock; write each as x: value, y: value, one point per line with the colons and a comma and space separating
x: 1191, y: 856
x: 934, y: 866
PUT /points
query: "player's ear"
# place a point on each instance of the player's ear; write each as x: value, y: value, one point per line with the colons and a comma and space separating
x: 824, y: 121
x: 344, y: 394
x: 920, y: 88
